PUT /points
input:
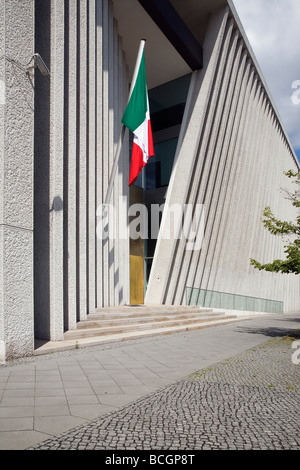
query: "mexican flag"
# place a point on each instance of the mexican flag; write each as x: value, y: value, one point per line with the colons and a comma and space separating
x: 137, y: 118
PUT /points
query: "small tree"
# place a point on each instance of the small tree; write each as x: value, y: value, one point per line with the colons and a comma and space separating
x: 286, y: 229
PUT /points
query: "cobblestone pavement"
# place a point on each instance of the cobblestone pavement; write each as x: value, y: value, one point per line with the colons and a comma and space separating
x: 251, y: 401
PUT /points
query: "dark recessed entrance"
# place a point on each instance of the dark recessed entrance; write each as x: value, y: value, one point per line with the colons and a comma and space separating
x: 167, y: 104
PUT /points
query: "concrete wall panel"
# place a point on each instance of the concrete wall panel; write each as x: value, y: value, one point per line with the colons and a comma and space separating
x: 16, y: 181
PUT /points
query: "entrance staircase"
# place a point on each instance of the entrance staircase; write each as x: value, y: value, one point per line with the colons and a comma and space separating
x: 113, y: 324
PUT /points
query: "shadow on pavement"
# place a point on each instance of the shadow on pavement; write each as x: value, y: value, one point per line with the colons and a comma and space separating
x: 272, y: 332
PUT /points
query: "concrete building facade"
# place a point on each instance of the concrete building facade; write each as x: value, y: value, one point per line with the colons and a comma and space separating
x: 219, y: 144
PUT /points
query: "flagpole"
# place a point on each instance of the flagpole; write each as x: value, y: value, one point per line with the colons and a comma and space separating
x: 123, y: 129
x: 115, y: 165
x: 136, y: 69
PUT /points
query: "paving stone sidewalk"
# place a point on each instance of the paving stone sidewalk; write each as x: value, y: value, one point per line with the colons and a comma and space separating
x: 251, y: 401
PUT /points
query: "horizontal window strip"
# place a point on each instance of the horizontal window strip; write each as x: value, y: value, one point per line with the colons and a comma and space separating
x: 215, y: 299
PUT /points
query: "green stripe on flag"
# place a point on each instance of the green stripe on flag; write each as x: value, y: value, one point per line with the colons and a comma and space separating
x: 135, y: 112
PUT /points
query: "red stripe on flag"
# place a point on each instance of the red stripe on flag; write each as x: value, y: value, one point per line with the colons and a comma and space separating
x: 150, y: 140
x: 137, y: 163
x: 137, y: 157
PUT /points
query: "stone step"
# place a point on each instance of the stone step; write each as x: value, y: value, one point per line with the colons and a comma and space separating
x: 151, y: 324
x: 95, y: 321
x: 138, y: 310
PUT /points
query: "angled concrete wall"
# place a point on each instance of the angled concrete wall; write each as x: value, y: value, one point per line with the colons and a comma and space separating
x: 232, y: 152
x: 16, y: 179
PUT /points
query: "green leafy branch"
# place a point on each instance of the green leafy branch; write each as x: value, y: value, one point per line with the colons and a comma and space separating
x: 283, y: 228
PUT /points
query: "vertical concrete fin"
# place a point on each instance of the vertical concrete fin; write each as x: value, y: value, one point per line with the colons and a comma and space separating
x: 82, y: 163
x: 56, y: 158
x: 92, y: 87
x: 71, y: 152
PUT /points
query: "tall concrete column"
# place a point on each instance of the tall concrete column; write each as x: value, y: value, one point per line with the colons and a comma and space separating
x: 56, y: 170
x: 16, y: 178
x: 49, y: 188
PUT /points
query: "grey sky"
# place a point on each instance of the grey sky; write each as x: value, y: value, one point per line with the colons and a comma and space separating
x: 273, y: 30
